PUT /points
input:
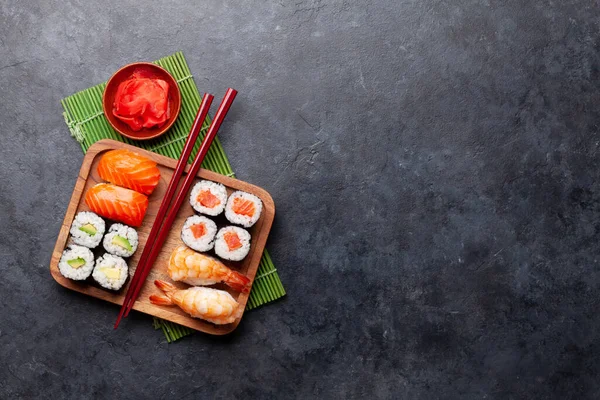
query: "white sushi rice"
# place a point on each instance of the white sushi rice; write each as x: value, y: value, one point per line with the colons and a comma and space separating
x: 106, y: 263
x: 239, y: 219
x: 125, y: 232
x: 74, y: 252
x: 203, y: 243
x: 222, y: 249
x: 83, y: 238
x: 216, y: 189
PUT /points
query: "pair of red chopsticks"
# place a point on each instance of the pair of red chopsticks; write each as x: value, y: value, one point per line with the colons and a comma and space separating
x: 161, y: 226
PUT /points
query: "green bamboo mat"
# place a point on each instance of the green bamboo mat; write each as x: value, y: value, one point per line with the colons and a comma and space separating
x: 85, y: 119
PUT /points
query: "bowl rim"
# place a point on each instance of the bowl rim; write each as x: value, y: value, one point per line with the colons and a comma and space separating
x: 162, y: 129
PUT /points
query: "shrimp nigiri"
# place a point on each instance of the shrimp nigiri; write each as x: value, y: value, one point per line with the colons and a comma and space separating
x: 196, y: 269
x: 216, y: 306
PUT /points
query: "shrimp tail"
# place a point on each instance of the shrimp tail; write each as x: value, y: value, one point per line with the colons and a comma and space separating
x: 238, y: 282
x: 165, y: 286
x: 160, y: 300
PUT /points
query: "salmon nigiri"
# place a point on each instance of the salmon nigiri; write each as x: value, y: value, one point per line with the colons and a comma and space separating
x: 129, y: 169
x: 117, y: 203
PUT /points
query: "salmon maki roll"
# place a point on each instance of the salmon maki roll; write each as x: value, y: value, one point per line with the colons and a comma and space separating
x: 243, y: 209
x: 129, y: 169
x: 208, y: 198
x: 198, y: 233
x: 117, y: 203
x: 232, y: 243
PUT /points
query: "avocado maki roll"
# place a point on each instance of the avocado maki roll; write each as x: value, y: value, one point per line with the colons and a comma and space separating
x: 121, y: 240
x: 87, y: 229
x: 77, y: 263
x: 110, y: 272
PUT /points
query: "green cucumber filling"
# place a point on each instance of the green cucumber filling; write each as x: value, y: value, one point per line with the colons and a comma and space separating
x: 122, y: 242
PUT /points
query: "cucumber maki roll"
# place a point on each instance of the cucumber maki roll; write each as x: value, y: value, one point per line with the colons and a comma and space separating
x: 121, y: 240
x: 87, y: 229
x: 110, y: 272
x: 77, y: 263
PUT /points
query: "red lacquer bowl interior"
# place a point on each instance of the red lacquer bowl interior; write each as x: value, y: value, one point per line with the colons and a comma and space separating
x: 108, y: 99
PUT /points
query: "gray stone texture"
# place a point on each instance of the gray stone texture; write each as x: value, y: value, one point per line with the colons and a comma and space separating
x: 434, y: 166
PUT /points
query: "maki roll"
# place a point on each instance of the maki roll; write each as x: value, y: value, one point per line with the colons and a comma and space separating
x: 243, y: 209
x: 232, y: 243
x: 77, y: 263
x: 87, y: 229
x: 110, y: 272
x: 121, y: 240
x: 198, y: 233
x: 208, y: 198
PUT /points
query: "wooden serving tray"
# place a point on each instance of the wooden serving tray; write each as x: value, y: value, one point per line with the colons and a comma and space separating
x: 88, y: 177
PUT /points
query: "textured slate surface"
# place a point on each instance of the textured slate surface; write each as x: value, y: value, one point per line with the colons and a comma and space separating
x: 434, y: 165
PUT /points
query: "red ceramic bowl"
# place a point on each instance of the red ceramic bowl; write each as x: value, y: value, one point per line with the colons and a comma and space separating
x: 108, y: 99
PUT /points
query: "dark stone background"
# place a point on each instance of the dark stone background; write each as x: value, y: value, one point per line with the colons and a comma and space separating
x: 434, y: 165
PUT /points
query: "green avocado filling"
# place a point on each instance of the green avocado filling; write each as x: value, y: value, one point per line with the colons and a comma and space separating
x: 89, y: 229
x: 122, y: 242
x: 76, y: 262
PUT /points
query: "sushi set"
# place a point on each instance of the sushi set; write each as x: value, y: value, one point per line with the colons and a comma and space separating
x: 204, y: 270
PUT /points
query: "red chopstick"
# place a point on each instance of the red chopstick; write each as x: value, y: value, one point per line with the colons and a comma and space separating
x: 182, y: 194
x: 164, y: 206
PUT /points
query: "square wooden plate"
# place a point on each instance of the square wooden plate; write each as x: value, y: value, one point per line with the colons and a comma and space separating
x: 88, y: 177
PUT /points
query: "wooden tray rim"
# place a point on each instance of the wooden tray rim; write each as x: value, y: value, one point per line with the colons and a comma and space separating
x: 116, y: 298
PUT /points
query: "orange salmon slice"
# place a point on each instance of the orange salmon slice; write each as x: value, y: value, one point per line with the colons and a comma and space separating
x: 198, y: 230
x: 207, y: 199
x: 232, y: 240
x: 243, y: 207
x: 117, y: 203
x: 130, y: 170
